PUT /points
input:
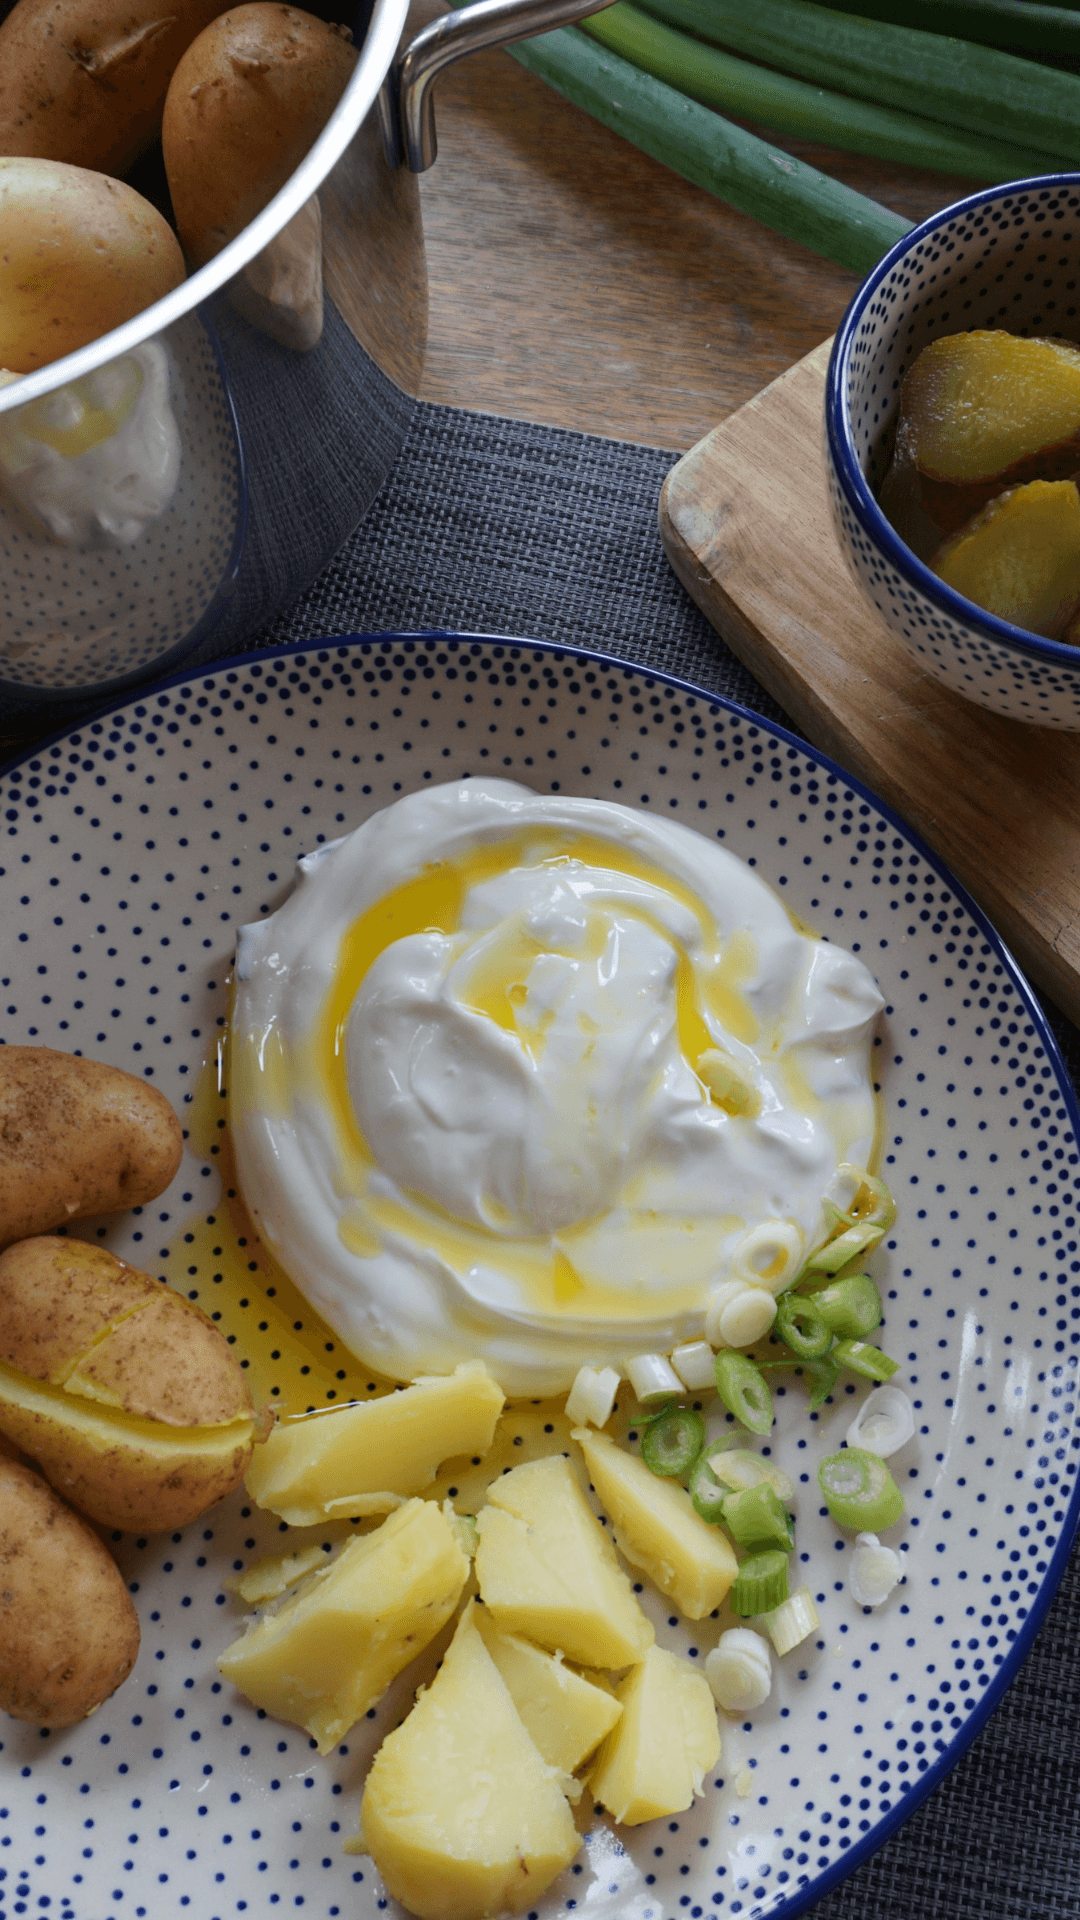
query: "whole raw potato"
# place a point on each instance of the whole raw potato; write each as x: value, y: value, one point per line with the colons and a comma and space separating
x: 69, y: 1634
x: 85, y: 80
x: 247, y: 101
x: 79, y: 254
x: 125, y: 1394
x: 77, y: 1137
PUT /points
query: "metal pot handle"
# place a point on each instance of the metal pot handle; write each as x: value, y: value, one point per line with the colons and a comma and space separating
x: 405, y: 103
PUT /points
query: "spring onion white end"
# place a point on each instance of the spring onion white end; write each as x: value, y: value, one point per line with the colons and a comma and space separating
x: 694, y: 1364
x: 729, y: 1087
x: 874, y: 1572
x: 770, y: 1255
x: 792, y: 1621
x: 653, y: 1378
x: 592, y: 1396
x: 739, y: 1670
x: 843, y: 1188
x: 741, y: 1468
x: 738, y: 1313
x: 884, y: 1423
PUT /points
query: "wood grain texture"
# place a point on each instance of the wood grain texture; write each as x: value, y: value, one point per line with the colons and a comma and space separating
x: 746, y: 523
x: 576, y: 282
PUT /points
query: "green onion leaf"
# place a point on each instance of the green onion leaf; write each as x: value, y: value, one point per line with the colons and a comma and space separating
x: 758, y: 1518
x: 706, y: 1491
x: 672, y: 1441
x: 802, y: 1327
x: 850, y: 1307
x: 744, y: 1392
x: 820, y: 1376
x: 847, y: 1246
x: 859, y: 1491
x: 760, y: 1584
x: 860, y: 1357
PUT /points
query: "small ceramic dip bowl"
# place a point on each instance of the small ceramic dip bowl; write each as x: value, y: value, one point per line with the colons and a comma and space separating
x: 1008, y: 257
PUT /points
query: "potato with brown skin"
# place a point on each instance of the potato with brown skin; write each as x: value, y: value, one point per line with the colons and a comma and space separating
x: 85, y: 80
x: 69, y: 1634
x: 126, y: 1396
x: 79, y: 254
x: 77, y: 1138
x: 247, y: 101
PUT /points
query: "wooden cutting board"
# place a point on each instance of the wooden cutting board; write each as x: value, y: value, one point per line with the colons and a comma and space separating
x: 745, y: 520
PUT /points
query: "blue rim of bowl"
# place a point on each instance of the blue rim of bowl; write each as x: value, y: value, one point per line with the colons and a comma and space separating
x: 805, y: 1896
x: 850, y: 474
x: 25, y: 695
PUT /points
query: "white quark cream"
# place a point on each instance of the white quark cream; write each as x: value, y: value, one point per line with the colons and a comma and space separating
x: 468, y: 1101
x: 96, y: 462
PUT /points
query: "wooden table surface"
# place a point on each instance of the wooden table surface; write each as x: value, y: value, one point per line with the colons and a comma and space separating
x: 577, y: 282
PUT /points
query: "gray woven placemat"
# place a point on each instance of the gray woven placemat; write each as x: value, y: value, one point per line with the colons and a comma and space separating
x: 494, y: 526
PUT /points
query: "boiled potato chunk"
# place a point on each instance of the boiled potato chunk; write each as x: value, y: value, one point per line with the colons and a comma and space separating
x: 565, y: 1715
x: 129, y: 1399
x: 68, y: 1631
x: 656, y: 1758
x: 460, y: 1814
x: 975, y: 405
x: 331, y: 1649
x: 76, y: 1136
x: 1020, y: 557
x: 657, y: 1529
x: 547, y: 1570
x: 79, y: 254
x: 367, y: 1457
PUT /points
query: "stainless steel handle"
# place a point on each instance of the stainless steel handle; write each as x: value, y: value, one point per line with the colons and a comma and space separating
x: 408, y: 112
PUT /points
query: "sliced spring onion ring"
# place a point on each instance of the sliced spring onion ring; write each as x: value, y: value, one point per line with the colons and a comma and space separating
x: 652, y: 1377
x: 592, y: 1396
x: 859, y: 1491
x: 757, y: 1517
x: 760, y: 1584
x: 737, y: 1314
x: 769, y: 1255
x: 705, y: 1490
x: 849, y: 1245
x: 693, y: 1363
x: 793, y: 1621
x: 743, y: 1389
x: 801, y: 1326
x: 820, y: 1376
x: 739, y: 1468
x: 672, y: 1441
x: 874, y: 1572
x: 860, y: 1357
x: 739, y: 1670
x: 850, y: 1307
x: 884, y: 1423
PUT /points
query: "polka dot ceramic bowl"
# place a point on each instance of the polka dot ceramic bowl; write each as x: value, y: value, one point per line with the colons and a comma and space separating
x: 1010, y: 258
x: 132, y: 848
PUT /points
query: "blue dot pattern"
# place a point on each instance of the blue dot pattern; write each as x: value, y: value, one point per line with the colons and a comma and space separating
x: 132, y: 849
x: 1004, y: 258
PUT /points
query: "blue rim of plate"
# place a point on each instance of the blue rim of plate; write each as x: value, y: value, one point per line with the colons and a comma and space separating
x: 806, y: 1896
x: 850, y: 475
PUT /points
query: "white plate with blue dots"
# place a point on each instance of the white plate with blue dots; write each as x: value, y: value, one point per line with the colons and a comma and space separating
x: 133, y: 847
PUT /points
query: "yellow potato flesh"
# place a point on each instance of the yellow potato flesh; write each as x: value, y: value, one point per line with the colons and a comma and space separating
x: 365, y: 1458
x: 460, y: 1814
x: 975, y: 404
x: 332, y: 1648
x: 565, y: 1715
x: 547, y: 1570
x: 657, y: 1529
x: 79, y: 254
x: 1020, y: 558
x: 138, y: 1475
x: 656, y: 1758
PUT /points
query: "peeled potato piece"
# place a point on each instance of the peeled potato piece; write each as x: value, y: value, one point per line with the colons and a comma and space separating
x: 77, y: 1137
x: 69, y: 1634
x: 131, y: 1402
x: 1020, y: 557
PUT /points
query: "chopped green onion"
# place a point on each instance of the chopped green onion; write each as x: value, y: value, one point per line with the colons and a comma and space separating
x: 671, y: 1443
x: 802, y: 1327
x: 465, y: 1529
x: 652, y: 1377
x: 820, y: 1376
x: 706, y: 1491
x: 884, y: 1423
x: 743, y: 1389
x: 874, y: 1203
x: 860, y: 1357
x: 793, y: 1621
x: 760, y: 1584
x: 756, y: 1517
x: 592, y: 1396
x: 739, y: 1468
x: 737, y: 1313
x: 850, y: 1307
x: 693, y: 1362
x: 847, y: 1246
x: 739, y: 1670
x: 859, y: 1491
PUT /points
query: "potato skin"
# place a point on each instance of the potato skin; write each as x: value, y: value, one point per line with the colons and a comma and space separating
x: 77, y: 1137
x: 115, y: 1341
x: 69, y: 1634
x: 247, y: 101
x: 85, y: 80
x: 79, y: 254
